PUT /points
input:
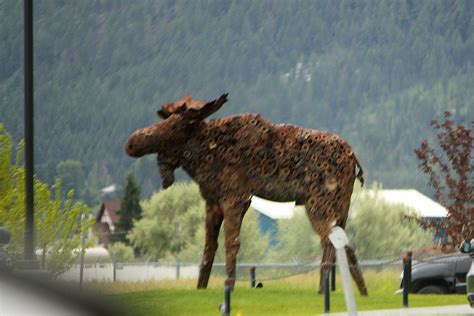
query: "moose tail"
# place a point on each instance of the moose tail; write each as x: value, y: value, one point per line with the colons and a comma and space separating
x: 360, y: 174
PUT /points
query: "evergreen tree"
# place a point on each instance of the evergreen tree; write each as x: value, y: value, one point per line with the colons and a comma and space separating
x: 130, y: 210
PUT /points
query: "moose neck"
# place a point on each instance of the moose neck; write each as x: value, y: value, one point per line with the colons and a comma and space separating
x: 178, y: 154
x: 192, y: 151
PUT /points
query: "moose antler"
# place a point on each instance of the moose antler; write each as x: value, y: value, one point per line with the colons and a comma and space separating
x: 206, y: 110
x: 192, y: 109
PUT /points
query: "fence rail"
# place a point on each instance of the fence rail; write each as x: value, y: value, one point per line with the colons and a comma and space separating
x: 145, y: 271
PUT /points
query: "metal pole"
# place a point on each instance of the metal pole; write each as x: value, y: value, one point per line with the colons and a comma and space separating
x: 252, y: 277
x: 83, y: 250
x: 114, y: 267
x: 327, y: 298
x: 178, y: 266
x: 227, y: 289
x: 406, y: 278
x: 29, y: 169
x: 333, y: 276
x: 410, y: 258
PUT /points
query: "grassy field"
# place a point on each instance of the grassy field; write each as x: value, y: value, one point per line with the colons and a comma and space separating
x: 292, y: 296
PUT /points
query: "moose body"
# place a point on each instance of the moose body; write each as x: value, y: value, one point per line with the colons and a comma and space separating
x: 239, y: 156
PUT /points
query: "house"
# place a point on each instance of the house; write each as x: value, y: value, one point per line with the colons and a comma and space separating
x: 105, y: 221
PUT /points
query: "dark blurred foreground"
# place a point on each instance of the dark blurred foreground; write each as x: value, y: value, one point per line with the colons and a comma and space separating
x: 24, y: 293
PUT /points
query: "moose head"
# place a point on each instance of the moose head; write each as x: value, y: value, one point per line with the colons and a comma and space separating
x: 179, y: 120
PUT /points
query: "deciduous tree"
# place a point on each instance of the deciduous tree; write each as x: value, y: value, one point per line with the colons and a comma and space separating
x: 378, y: 229
x: 172, y: 228
x: 58, y: 223
x: 450, y: 171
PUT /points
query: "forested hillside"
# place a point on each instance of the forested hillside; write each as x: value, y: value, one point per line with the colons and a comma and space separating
x: 375, y: 72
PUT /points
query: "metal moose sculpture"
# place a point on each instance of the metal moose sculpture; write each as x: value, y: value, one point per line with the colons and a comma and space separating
x: 239, y: 156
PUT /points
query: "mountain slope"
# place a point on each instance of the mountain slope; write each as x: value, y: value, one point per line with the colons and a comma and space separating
x: 375, y: 72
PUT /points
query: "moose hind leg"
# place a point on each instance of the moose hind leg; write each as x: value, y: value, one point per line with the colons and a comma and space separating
x: 351, y: 257
x: 355, y: 271
x: 214, y: 217
x: 321, y: 216
x: 329, y: 254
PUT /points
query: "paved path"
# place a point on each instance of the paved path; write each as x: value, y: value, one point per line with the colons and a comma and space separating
x: 464, y: 309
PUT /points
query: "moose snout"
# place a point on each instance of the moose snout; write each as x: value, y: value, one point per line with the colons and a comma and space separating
x: 129, y: 148
x: 143, y: 142
x: 132, y: 149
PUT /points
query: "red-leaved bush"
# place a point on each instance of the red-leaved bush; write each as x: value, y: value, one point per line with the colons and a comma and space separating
x: 450, y: 173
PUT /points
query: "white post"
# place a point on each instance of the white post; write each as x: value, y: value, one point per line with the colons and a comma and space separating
x: 339, y: 240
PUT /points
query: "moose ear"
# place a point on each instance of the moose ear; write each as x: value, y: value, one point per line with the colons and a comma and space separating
x: 162, y: 114
x: 205, y: 110
x: 169, y: 108
x: 165, y: 111
x: 181, y: 108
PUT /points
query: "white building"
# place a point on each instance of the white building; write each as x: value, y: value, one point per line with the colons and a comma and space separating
x: 269, y: 211
x: 422, y: 205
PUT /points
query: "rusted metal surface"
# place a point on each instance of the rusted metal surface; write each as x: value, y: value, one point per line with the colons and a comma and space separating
x: 239, y: 156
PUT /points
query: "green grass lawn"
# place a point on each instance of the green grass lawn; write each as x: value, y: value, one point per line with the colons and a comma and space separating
x: 292, y: 296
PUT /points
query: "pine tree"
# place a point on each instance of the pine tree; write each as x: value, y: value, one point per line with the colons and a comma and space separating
x: 130, y: 210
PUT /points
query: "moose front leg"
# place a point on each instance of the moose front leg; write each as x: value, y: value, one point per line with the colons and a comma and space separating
x: 234, y: 211
x: 214, y: 217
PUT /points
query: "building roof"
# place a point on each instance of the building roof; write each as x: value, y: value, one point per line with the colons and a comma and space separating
x: 422, y: 205
x: 110, y: 207
x: 418, y: 202
x: 110, y: 189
